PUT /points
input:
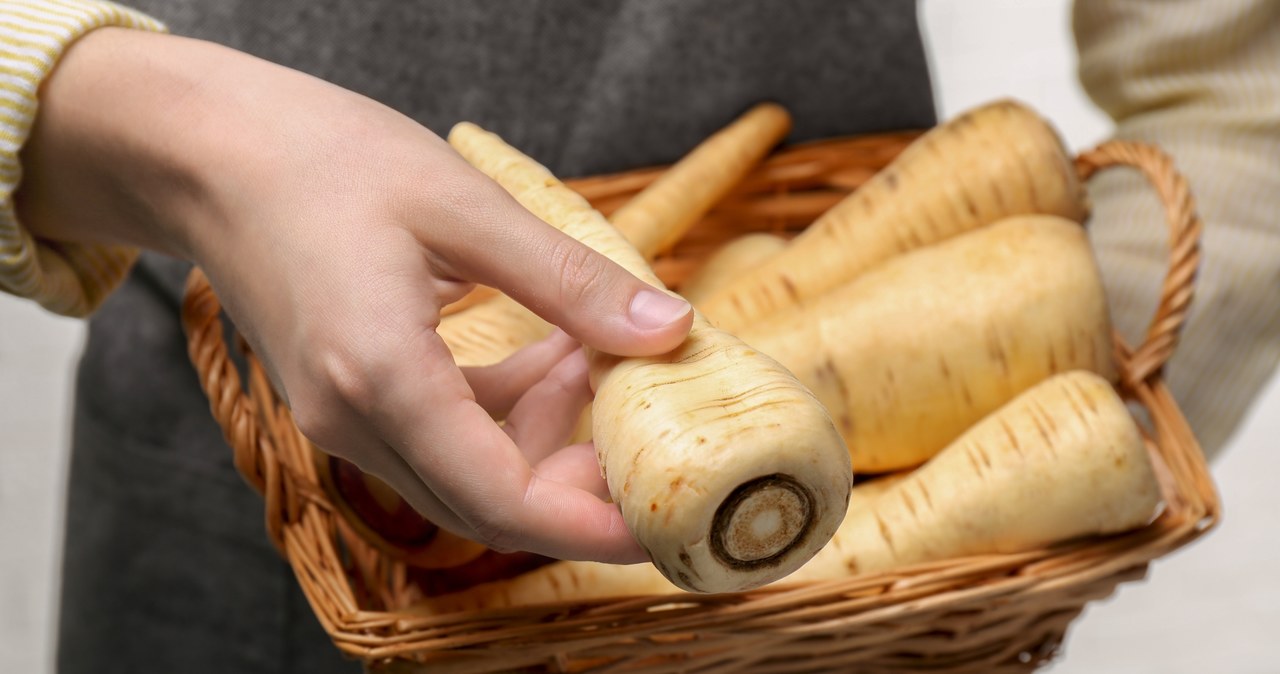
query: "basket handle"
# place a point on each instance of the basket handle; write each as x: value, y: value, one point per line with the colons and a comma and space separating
x: 254, y: 455
x: 1185, y: 228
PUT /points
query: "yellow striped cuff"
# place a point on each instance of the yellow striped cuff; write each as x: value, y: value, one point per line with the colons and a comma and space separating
x: 68, y: 279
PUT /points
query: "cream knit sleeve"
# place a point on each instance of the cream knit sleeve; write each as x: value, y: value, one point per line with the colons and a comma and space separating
x: 1200, y: 78
x: 65, y: 278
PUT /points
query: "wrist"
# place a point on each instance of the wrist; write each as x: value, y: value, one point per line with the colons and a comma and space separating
x: 122, y: 143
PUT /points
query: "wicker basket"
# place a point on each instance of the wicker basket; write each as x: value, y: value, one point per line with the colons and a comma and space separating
x: 991, y: 613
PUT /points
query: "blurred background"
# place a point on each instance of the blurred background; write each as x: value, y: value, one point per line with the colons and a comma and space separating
x: 1212, y: 607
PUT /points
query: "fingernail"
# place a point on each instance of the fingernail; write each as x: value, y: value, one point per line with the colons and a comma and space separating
x: 651, y: 309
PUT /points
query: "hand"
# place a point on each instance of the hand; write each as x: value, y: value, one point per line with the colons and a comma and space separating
x: 334, y: 229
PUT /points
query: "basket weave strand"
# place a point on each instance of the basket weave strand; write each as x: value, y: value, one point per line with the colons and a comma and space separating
x: 991, y: 613
x: 1185, y: 229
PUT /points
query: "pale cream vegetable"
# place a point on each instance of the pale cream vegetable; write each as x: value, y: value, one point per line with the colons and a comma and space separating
x: 1063, y: 460
x: 653, y: 220
x: 582, y: 581
x: 740, y: 256
x: 998, y: 160
x: 913, y: 352
x: 728, y: 471
x: 730, y: 260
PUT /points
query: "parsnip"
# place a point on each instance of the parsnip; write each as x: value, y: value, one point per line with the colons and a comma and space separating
x: 582, y: 581
x: 913, y: 352
x: 993, y: 162
x: 661, y: 214
x: 727, y: 263
x: 727, y: 470
x: 653, y: 220
x: 740, y: 256
x: 1063, y: 460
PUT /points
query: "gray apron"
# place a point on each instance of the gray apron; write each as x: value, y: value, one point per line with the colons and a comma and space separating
x: 167, y: 566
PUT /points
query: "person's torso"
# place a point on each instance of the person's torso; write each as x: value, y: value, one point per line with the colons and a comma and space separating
x: 594, y: 86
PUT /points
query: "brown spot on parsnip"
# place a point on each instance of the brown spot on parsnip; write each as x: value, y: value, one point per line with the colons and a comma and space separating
x: 911, y: 506
x: 653, y: 507
x: 789, y: 286
x: 924, y: 491
x: 885, y: 534
x: 891, y: 179
x: 686, y: 560
x: 1013, y: 437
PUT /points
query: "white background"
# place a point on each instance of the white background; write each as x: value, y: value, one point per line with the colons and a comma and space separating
x: 1214, y: 607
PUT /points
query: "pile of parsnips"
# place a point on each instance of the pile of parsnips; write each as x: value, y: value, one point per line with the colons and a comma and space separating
x: 945, y: 319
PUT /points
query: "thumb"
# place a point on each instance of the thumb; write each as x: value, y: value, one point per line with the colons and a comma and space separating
x: 567, y: 283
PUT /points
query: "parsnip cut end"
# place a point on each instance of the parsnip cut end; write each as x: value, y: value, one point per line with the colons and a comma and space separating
x: 762, y: 521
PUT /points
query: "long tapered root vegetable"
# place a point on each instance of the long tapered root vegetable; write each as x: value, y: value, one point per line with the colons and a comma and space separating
x: 488, y: 332
x: 727, y: 470
x: 1063, y: 460
x: 661, y: 214
x: 583, y: 581
x: 910, y: 354
x: 652, y: 221
x: 998, y: 160
x: 736, y: 258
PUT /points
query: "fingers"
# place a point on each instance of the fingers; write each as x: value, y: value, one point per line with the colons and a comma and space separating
x: 498, y: 387
x: 426, y: 413
x: 575, y: 466
x: 543, y: 419
x: 560, y: 279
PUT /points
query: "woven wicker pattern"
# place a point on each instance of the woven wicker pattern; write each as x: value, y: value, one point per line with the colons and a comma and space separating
x: 993, y: 613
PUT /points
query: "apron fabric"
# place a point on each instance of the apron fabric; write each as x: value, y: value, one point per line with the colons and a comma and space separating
x: 167, y: 565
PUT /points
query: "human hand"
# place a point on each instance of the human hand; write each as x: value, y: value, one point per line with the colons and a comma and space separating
x: 334, y: 229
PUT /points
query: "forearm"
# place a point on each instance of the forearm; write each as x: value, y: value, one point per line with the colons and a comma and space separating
x: 109, y: 160
x: 1201, y: 80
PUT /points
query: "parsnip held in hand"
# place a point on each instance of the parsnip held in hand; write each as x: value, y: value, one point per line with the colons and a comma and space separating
x: 652, y: 221
x: 1063, y: 460
x: 728, y: 471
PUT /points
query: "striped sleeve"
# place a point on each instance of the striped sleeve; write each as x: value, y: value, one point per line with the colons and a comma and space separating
x: 1201, y: 79
x: 65, y: 278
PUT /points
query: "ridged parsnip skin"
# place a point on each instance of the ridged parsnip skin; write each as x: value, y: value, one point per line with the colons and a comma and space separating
x: 740, y: 256
x: 727, y: 470
x: 1062, y: 460
x: 585, y: 581
x: 653, y: 221
x: 995, y: 161
x: 910, y: 354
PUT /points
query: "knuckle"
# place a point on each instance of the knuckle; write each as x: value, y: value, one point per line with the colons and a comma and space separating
x: 336, y: 382
x: 496, y: 533
x: 582, y: 275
